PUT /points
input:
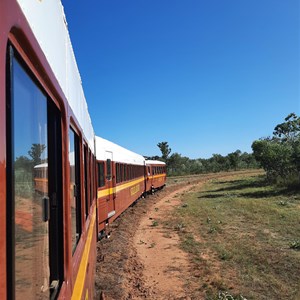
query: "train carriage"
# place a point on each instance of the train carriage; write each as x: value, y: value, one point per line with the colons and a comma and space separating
x: 121, y: 180
x: 47, y: 186
x: 59, y: 184
x: 155, y: 175
x: 40, y: 174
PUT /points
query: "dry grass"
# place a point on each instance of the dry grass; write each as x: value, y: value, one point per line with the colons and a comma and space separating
x: 243, y: 239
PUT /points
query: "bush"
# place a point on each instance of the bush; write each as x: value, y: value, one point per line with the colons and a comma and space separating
x: 280, y: 155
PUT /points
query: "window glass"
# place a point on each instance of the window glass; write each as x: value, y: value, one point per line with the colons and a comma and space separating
x: 121, y: 172
x: 125, y: 172
x: 74, y: 188
x: 30, y: 177
x: 117, y: 172
x: 108, y: 168
x: 91, y: 178
x: 85, y: 160
x: 101, y: 180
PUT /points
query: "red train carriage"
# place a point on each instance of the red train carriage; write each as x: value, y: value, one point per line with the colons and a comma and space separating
x: 155, y: 175
x: 47, y: 215
x: 40, y: 173
x: 48, y: 219
x: 121, y: 180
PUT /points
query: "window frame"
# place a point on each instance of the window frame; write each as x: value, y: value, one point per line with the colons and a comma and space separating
x: 54, y: 173
x: 78, y: 187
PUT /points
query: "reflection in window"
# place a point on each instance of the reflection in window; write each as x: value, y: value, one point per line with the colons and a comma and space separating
x: 30, y: 187
x: 74, y: 188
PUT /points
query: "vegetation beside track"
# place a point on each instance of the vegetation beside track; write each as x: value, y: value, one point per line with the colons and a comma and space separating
x: 243, y: 239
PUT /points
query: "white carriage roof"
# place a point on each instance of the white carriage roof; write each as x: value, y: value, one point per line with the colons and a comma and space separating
x: 105, y: 148
x: 154, y: 162
x: 44, y: 165
x: 48, y: 23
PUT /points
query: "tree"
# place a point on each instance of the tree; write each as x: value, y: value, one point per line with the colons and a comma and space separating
x: 23, y: 162
x: 165, y: 150
x: 36, y: 152
x: 274, y: 157
x: 280, y: 155
x: 289, y: 130
x: 234, y: 159
x: 178, y: 165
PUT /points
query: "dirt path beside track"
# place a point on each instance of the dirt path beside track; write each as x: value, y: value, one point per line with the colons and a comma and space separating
x: 165, y: 264
x: 142, y: 258
x: 136, y: 262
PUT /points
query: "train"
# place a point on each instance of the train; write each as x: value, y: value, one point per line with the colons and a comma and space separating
x: 61, y: 186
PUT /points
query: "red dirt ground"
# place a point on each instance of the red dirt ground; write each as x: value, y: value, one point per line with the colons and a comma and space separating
x: 142, y: 258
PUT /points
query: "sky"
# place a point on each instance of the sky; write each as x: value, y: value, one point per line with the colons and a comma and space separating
x: 206, y: 76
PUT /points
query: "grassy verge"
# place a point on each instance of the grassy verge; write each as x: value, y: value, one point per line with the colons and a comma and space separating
x: 243, y: 239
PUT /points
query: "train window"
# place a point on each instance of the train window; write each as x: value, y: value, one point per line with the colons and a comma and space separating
x: 117, y: 172
x: 94, y: 178
x: 121, y: 172
x: 85, y: 161
x: 35, y: 256
x: 108, y: 169
x: 125, y: 172
x: 101, y: 180
x: 75, y: 201
x: 91, y: 178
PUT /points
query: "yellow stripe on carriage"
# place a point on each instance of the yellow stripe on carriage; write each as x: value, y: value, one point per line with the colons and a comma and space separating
x: 159, y: 176
x: 80, y: 279
x: 118, y: 188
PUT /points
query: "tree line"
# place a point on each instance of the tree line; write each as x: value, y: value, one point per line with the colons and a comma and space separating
x: 178, y: 165
x: 278, y: 155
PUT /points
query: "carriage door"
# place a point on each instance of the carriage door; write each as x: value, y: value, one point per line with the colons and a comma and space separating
x: 35, y: 257
x: 110, y: 184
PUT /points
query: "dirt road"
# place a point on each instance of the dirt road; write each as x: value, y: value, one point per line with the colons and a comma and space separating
x: 165, y: 264
x: 142, y: 258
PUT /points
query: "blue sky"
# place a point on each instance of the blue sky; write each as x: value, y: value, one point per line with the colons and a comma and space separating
x: 205, y: 76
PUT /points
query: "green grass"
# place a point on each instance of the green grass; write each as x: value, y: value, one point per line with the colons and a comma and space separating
x: 243, y: 237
